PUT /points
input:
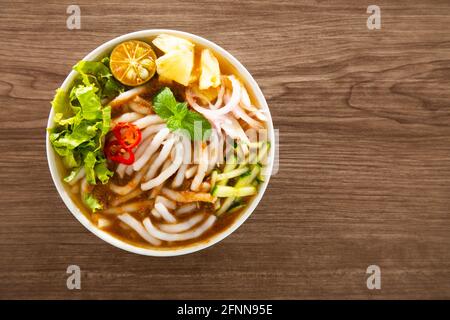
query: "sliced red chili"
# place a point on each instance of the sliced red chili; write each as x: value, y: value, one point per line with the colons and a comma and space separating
x: 116, y: 152
x: 127, y: 134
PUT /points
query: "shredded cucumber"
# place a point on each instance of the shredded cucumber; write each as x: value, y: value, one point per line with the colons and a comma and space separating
x: 247, y: 182
x: 231, y: 165
x: 214, y: 175
x: 225, y: 206
x: 242, y: 182
x: 248, y: 179
x: 227, y: 191
x: 231, y: 174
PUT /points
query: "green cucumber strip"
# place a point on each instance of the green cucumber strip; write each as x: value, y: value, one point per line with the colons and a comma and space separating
x: 225, y: 206
x: 247, y: 180
x: 227, y: 191
x: 231, y: 174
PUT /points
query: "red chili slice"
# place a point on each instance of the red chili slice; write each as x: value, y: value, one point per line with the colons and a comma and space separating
x: 116, y: 152
x: 127, y: 134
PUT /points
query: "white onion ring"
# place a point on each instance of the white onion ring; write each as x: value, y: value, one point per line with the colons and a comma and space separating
x: 239, y: 113
x: 229, y: 106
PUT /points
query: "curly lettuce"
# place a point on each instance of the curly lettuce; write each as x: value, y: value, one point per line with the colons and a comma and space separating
x: 81, y: 123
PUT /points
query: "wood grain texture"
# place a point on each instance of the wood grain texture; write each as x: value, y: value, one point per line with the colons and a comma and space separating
x: 364, y: 174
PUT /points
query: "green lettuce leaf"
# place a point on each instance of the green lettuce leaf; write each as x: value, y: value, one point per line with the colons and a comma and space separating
x: 102, y: 172
x: 92, y: 203
x: 98, y: 75
x: 89, y: 101
x: 89, y: 164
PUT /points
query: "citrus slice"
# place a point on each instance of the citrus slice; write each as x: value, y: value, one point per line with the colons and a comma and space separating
x: 133, y: 62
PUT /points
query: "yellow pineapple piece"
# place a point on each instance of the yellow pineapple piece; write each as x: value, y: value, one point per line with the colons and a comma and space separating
x: 210, y: 70
x: 176, y: 65
x: 167, y: 43
x: 178, y: 61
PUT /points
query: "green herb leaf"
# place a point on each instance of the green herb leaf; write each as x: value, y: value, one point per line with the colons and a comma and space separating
x: 197, y: 125
x: 164, y: 103
x: 179, y: 116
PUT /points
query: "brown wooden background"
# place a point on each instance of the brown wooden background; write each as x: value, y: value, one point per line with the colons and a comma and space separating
x: 364, y: 175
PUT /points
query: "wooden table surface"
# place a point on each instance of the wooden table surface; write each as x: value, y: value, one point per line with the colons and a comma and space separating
x: 364, y: 174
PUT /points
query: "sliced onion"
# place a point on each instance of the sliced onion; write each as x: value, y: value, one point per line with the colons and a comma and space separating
x: 219, y: 99
x: 229, y: 106
x: 232, y: 128
x: 239, y: 113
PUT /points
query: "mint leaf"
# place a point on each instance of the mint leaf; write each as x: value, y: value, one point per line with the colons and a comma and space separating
x: 178, y: 116
x: 173, y: 123
x: 165, y: 104
x: 182, y: 110
x: 197, y: 125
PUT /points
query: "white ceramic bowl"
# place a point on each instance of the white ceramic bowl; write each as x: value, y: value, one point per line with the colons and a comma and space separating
x: 249, y: 81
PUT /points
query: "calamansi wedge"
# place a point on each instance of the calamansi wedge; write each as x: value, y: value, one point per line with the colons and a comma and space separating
x: 133, y: 62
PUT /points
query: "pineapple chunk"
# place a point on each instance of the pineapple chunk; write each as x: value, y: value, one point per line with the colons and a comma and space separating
x: 178, y: 61
x: 168, y: 43
x: 176, y: 65
x: 210, y: 70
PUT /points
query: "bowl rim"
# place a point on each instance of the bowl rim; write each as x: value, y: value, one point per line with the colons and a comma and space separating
x: 116, y: 242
